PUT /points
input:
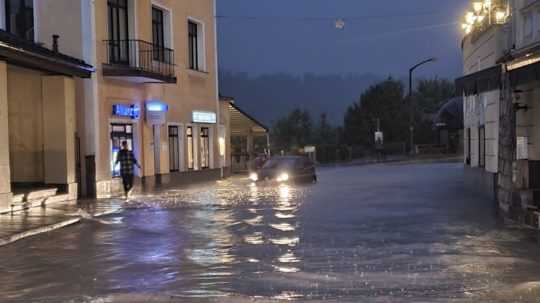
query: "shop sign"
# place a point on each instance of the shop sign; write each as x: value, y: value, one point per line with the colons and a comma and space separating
x: 156, y: 112
x: 127, y: 111
x: 204, y: 117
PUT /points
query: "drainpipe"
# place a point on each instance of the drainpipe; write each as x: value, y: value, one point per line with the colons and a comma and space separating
x: 218, y: 107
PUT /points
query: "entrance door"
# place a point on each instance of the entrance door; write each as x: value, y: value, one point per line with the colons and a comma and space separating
x: 120, y: 132
x: 157, y: 149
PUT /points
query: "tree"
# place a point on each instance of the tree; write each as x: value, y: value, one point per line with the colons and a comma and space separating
x: 383, y: 101
x: 293, y: 132
x: 430, y: 95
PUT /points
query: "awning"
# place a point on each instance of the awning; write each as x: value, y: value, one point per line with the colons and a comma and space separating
x: 482, y: 81
x: 525, y: 74
x: 243, y: 123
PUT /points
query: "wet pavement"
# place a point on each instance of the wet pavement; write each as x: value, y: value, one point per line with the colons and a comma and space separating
x: 387, y: 233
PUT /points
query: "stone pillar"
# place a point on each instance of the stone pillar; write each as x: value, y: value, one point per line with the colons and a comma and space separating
x: 5, y: 175
x: 59, y: 132
x: 507, y: 148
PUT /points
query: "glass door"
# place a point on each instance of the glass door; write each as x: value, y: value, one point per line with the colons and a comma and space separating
x: 190, y: 147
x: 120, y: 132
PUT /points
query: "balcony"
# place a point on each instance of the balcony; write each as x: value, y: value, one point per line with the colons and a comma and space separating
x: 139, y: 61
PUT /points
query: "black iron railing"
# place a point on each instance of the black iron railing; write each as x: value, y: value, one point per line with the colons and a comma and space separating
x: 141, y: 55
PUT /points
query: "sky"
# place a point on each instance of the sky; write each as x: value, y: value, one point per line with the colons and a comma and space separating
x: 380, y: 37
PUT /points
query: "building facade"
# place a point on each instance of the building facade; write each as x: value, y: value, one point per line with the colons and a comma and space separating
x: 141, y: 71
x: 480, y: 87
x: 159, y: 59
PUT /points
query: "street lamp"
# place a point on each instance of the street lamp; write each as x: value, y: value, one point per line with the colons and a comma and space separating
x: 411, y: 117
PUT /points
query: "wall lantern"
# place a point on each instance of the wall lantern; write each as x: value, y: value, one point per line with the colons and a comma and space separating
x: 156, y: 106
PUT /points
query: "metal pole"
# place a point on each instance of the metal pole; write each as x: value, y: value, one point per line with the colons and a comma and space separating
x: 411, y: 103
x: 411, y: 112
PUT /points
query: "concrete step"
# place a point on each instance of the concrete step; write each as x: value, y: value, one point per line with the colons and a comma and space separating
x: 41, y: 194
x: 17, y: 198
x: 57, y: 199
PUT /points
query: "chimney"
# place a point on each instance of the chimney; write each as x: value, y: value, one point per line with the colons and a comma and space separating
x: 55, y: 43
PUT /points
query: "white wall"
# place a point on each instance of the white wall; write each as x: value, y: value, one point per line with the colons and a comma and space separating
x: 64, y: 18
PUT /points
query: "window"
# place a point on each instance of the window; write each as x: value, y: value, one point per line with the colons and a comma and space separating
x: 119, y: 133
x: 118, y: 31
x: 205, y: 148
x: 190, y: 147
x: 20, y: 18
x: 158, y: 34
x: 482, y: 146
x: 174, y: 149
x: 196, y: 53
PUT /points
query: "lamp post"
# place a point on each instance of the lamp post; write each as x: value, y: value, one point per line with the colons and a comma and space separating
x: 411, y: 104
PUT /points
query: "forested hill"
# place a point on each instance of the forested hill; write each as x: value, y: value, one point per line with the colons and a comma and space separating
x: 269, y: 97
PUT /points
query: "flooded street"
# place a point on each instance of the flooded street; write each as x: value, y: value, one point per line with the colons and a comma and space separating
x: 389, y: 233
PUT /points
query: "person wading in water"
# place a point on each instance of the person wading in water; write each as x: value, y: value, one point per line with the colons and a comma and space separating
x: 127, y: 160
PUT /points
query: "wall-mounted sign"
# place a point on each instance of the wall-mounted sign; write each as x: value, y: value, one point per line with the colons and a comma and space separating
x: 204, y: 117
x: 127, y: 111
x: 522, y: 148
x: 156, y: 112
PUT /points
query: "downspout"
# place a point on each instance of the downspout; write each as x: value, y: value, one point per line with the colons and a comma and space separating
x: 218, y: 107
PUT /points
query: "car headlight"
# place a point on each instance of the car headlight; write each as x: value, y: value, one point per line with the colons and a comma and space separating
x: 283, y: 177
x: 254, y: 177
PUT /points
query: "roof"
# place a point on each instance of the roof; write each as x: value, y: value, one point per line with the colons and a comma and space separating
x: 22, y: 52
x: 242, y: 122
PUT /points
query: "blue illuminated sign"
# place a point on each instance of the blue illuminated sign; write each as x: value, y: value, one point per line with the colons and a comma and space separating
x: 129, y: 111
x: 155, y: 106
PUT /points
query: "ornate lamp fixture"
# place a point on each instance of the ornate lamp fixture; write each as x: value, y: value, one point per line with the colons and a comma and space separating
x: 485, y: 12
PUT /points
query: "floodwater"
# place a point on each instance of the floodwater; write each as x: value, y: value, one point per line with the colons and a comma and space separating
x: 388, y: 233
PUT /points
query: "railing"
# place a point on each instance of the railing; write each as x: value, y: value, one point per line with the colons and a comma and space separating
x: 141, y: 55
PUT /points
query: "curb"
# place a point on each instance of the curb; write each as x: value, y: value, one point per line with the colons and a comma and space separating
x: 48, y: 228
x: 36, y: 231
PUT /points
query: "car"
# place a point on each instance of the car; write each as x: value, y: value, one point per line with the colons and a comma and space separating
x: 284, y: 169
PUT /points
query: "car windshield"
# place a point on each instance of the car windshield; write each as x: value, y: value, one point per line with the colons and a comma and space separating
x: 280, y: 163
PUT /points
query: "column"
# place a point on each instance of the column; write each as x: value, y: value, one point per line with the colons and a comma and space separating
x: 5, y: 175
x: 59, y: 132
x: 250, y: 150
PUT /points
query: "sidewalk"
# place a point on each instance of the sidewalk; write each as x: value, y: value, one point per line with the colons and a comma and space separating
x: 34, y: 221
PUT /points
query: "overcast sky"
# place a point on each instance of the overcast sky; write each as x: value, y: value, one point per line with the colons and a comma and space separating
x: 380, y: 37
